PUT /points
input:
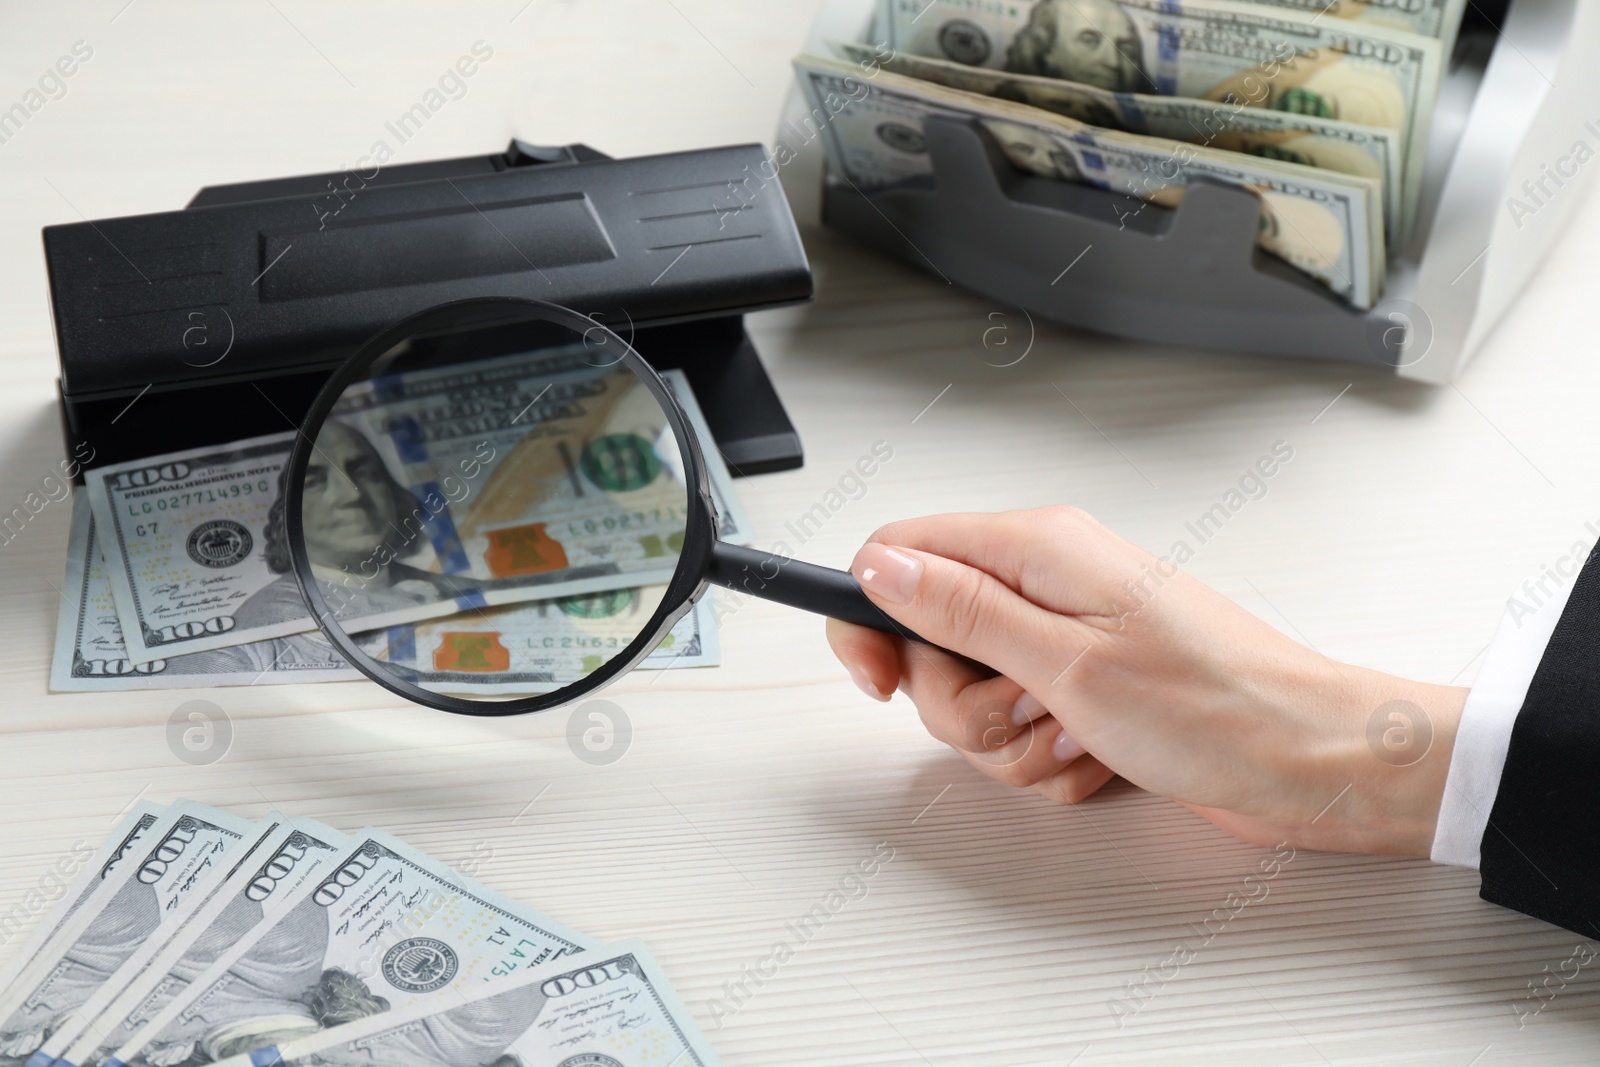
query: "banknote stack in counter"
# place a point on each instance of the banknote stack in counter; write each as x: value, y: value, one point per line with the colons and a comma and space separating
x: 178, y: 569
x: 193, y: 936
x: 1321, y: 108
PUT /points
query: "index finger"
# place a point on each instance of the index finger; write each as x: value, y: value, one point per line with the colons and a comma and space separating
x: 1059, y: 558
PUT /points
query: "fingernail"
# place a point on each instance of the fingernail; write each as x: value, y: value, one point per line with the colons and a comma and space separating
x: 888, y: 572
x: 1065, y: 749
x: 1025, y: 710
x: 864, y: 684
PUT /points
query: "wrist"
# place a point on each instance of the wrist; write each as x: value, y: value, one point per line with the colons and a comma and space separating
x: 1410, y: 777
x: 1396, y: 738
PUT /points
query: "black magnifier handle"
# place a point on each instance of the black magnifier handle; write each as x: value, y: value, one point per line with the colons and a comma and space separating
x: 819, y: 590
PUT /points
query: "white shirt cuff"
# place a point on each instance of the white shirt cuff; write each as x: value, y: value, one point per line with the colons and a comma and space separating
x: 1486, y: 720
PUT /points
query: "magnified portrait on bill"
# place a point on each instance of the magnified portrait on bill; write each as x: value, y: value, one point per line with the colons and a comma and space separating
x: 368, y: 533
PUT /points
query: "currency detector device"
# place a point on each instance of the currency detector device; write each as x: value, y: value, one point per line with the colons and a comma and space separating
x: 222, y: 320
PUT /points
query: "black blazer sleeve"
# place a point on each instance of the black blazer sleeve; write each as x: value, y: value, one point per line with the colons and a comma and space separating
x: 1541, y: 849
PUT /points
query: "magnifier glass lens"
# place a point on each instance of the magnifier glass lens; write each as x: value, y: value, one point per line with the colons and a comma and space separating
x: 495, y: 513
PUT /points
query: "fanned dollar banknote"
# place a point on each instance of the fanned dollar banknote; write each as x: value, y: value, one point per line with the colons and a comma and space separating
x: 167, y: 875
x: 379, y: 928
x: 605, y: 1008
x: 91, y: 870
x: 1265, y: 56
x: 552, y: 639
x: 180, y: 912
x: 289, y: 852
x: 192, y: 936
x: 1326, y: 224
x: 1365, y: 151
x: 196, y: 551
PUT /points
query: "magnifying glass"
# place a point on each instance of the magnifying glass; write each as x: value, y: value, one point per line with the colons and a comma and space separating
x: 497, y: 507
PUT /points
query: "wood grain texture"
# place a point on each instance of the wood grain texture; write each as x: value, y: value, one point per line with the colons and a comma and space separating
x: 1003, y: 928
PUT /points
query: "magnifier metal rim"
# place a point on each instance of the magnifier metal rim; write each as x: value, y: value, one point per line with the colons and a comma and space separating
x: 700, y: 529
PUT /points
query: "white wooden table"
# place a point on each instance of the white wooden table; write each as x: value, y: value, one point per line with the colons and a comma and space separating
x: 1003, y: 928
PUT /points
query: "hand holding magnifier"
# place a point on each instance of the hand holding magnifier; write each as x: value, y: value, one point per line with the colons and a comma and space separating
x: 497, y: 507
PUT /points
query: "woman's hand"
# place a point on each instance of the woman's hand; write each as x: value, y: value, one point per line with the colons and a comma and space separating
x: 1087, y: 657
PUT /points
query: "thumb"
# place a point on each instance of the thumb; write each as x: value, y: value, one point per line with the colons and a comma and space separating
x: 970, y: 612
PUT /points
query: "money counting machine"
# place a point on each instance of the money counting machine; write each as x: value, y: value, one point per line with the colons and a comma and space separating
x: 1515, y: 135
x: 221, y: 321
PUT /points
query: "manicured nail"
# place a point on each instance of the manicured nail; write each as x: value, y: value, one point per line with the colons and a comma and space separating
x: 1065, y: 749
x: 864, y: 684
x: 888, y: 572
x: 1025, y: 710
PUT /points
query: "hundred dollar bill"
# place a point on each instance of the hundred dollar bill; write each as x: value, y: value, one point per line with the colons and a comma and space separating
x: 604, y: 1008
x: 376, y: 930
x: 290, y: 853
x: 94, y: 866
x: 1266, y: 57
x: 177, y: 864
x: 1328, y: 225
x: 90, y: 655
x: 196, y: 550
x: 1365, y: 151
x: 197, y: 897
x: 542, y: 646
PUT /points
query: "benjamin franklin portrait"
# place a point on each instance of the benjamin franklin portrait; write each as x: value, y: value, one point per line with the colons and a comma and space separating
x: 359, y: 521
x: 1037, y: 152
x: 1088, y: 41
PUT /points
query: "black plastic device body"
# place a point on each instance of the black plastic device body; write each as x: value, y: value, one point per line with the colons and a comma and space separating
x: 222, y: 320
